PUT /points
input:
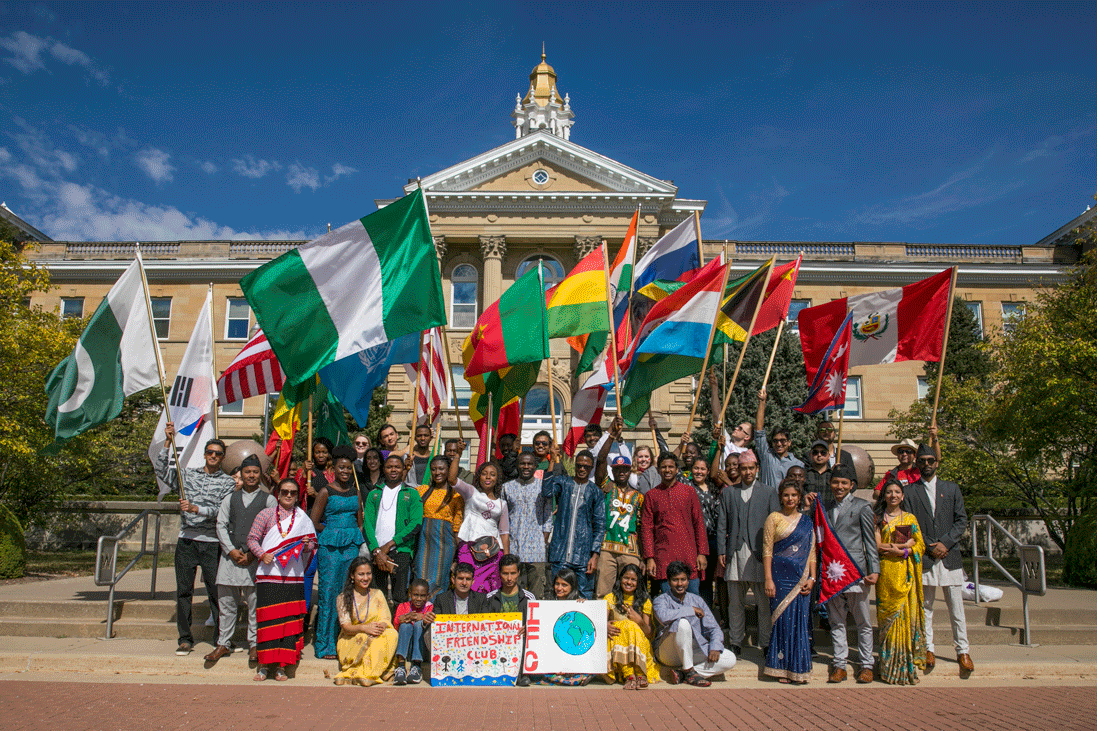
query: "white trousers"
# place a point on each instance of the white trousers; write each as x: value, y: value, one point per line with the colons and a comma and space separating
x: 737, y: 612
x: 954, y: 600
x: 229, y: 599
x: 838, y: 607
x: 679, y: 649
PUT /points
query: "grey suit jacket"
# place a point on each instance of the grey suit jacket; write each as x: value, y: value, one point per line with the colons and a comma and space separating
x: 946, y: 524
x: 738, y: 522
x: 856, y: 529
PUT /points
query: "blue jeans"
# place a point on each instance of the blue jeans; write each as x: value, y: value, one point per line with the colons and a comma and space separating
x: 411, y: 640
x: 586, y: 581
x: 694, y: 587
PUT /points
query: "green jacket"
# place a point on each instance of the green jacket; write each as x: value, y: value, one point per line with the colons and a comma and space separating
x: 409, y: 516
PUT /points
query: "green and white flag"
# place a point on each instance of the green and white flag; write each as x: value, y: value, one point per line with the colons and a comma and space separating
x: 361, y: 285
x: 114, y: 358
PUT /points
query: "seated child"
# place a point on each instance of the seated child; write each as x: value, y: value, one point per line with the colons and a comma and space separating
x: 412, y: 619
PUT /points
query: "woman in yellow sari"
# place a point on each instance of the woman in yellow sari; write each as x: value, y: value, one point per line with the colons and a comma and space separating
x: 367, y: 640
x: 899, y: 613
x: 631, y: 622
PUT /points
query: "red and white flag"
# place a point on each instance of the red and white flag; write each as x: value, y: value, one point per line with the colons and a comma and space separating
x: 431, y: 369
x: 906, y: 323
x: 253, y: 372
x: 837, y: 571
x: 586, y: 408
x: 828, y: 389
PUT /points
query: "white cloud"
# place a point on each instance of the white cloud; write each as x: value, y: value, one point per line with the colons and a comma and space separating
x: 252, y: 168
x: 156, y: 164
x: 338, y: 170
x: 299, y: 176
x: 5, y: 156
x: 91, y: 139
x: 28, y: 50
x: 208, y: 167
x: 40, y: 152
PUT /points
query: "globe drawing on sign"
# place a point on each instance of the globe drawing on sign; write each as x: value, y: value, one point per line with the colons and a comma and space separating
x: 574, y: 633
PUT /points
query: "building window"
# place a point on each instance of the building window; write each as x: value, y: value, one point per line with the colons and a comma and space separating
x: 540, y: 176
x: 461, y: 390
x: 161, y: 316
x: 611, y: 402
x: 236, y: 407
x: 465, y: 282
x: 794, y: 307
x: 1010, y: 312
x: 537, y: 413
x: 853, y: 397
x: 237, y: 319
x: 553, y: 270
x: 923, y: 388
x: 977, y: 312
x: 71, y: 307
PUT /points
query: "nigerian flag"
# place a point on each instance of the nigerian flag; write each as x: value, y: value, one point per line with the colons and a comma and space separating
x: 361, y: 285
x: 113, y: 358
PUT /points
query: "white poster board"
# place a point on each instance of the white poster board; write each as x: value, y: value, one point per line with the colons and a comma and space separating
x: 566, y: 637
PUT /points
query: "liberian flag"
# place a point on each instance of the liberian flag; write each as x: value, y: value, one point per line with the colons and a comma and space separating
x: 837, y: 571
x: 586, y: 408
x: 431, y: 371
x: 828, y: 389
x: 364, y: 284
x: 253, y: 372
x: 906, y: 323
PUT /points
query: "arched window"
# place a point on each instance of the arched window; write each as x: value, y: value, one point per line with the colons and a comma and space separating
x: 553, y: 270
x: 465, y: 280
x: 537, y: 413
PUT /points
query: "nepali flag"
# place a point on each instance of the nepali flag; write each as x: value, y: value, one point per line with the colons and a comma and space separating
x: 837, y: 571
x: 828, y: 388
x: 905, y: 323
x: 289, y: 552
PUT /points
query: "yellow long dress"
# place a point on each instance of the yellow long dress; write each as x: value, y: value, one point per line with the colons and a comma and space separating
x: 899, y: 613
x: 631, y: 650
x: 366, y: 660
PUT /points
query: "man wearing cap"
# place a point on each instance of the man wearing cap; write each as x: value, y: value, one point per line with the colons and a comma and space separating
x: 236, y: 571
x: 906, y: 472
x: 741, y: 520
x: 774, y: 460
x: 817, y: 474
x: 938, y: 506
x: 620, y: 547
x: 825, y: 432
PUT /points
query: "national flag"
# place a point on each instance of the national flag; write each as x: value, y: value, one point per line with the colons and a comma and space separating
x: 782, y: 284
x: 837, y: 571
x: 586, y: 408
x: 507, y: 387
x: 359, y: 286
x: 289, y: 552
x: 190, y: 401
x: 675, y: 254
x: 739, y: 304
x: 620, y: 286
x: 577, y: 305
x: 285, y: 422
x: 253, y: 372
x: 828, y: 389
x: 113, y: 358
x: 353, y: 379
x: 328, y: 418
x: 671, y: 342
x: 891, y: 325
x: 509, y: 421
x: 512, y: 330
x: 431, y: 371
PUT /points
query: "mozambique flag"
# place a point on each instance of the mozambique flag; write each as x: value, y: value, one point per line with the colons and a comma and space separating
x: 740, y: 301
x: 577, y: 305
x: 512, y: 330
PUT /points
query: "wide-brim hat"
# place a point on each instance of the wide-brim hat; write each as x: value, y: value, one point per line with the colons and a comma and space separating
x: 905, y: 444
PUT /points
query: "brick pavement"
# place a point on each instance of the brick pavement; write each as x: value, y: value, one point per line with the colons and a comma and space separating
x: 130, y: 707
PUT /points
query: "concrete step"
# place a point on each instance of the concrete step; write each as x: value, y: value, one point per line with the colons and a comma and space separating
x: 136, y: 629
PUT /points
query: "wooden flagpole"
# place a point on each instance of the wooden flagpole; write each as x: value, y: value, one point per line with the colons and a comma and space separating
x: 708, y: 348
x: 308, y: 455
x: 773, y: 353
x: 160, y: 369
x: 724, y: 346
x: 551, y: 387
x: 490, y: 452
x: 612, y: 334
x: 700, y: 248
x: 841, y: 422
x: 746, y: 342
x: 453, y: 384
x: 944, y: 347
x: 418, y: 385
x: 213, y: 360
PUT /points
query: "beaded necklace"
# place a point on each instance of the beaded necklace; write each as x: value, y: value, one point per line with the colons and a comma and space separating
x: 357, y: 616
x: 278, y: 521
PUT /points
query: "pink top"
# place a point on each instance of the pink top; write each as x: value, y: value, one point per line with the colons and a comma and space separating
x: 406, y: 607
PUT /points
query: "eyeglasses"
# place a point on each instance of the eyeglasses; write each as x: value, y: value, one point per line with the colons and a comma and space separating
x: 780, y: 440
x: 215, y: 452
x: 826, y: 429
x: 927, y: 460
x: 288, y: 493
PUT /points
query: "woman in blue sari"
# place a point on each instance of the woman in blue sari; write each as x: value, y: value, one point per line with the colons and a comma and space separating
x: 788, y: 557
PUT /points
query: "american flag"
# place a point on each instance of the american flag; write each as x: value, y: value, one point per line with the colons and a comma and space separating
x: 431, y: 370
x: 253, y: 372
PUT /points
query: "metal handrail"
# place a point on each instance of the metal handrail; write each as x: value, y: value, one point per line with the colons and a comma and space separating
x: 110, y: 543
x: 1033, y: 575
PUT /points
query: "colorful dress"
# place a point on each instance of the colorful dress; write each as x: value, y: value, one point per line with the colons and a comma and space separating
x: 438, y: 537
x: 484, y: 516
x: 899, y: 613
x: 792, y: 547
x: 631, y: 650
x: 339, y: 541
x: 366, y: 660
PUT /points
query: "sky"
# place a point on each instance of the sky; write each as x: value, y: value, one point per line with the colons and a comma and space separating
x: 931, y: 123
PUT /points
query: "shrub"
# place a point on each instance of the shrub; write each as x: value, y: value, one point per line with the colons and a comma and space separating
x: 13, y: 546
x: 1080, y: 554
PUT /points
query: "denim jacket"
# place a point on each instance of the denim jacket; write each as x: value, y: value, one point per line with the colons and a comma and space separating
x: 580, y: 523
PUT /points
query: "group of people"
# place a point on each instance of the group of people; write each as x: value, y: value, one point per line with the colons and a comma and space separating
x: 674, y: 542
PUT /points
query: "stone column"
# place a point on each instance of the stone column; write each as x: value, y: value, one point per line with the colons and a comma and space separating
x: 492, y: 249
x: 586, y: 244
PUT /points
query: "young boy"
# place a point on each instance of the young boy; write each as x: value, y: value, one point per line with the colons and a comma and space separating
x: 411, y: 624
x: 509, y: 597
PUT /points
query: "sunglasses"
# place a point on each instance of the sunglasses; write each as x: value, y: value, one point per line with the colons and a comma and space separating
x: 288, y: 493
x: 215, y: 452
x: 541, y: 444
x: 817, y: 453
x: 361, y: 444
x: 927, y: 460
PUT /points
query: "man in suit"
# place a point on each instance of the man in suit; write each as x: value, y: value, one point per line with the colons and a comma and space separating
x: 939, y: 507
x: 854, y: 523
x: 461, y: 599
x: 743, y: 511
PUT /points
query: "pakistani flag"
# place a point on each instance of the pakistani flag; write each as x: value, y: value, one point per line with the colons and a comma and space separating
x: 364, y: 284
x: 114, y: 358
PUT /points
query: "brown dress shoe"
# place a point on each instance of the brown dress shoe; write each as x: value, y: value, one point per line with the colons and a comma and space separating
x: 966, y: 665
x: 931, y: 662
x: 837, y: 675
x: 218, y: 652
x: 865, y: 676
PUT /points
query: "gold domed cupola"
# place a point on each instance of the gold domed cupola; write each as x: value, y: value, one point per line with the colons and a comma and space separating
x: 544, y: 107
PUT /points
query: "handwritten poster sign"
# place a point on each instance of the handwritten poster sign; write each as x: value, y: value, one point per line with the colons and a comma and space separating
x: 475, y: 649
x: 566, y: 637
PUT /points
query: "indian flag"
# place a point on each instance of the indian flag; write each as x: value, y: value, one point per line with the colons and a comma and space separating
x: 577, y: 305
x: 113, y: 358
x: 361, y: 285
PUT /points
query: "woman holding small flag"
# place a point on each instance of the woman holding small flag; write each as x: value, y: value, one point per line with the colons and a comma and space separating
x: 283, y: 537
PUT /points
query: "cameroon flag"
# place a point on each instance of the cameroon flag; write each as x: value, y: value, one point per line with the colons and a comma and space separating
x: 512, y: 330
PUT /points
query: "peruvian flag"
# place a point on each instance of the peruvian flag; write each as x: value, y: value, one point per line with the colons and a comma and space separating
x: 906, y: 323
x: 586, y: 408
x: 837, y: 571
x: 828, y: 389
